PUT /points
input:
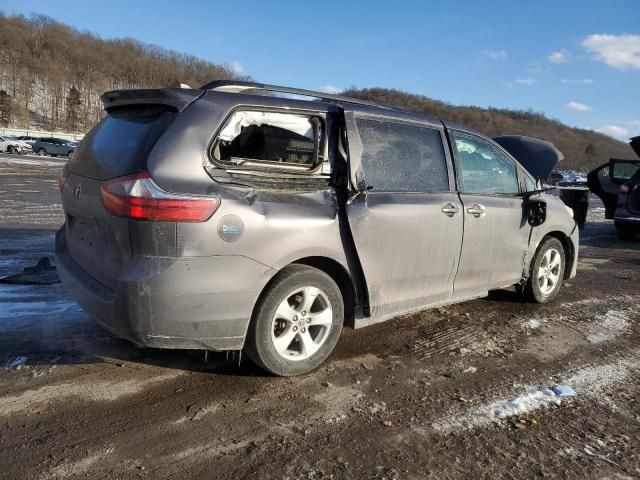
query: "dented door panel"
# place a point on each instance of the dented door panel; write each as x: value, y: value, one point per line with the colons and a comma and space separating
x: 494, y: 245
x: 408, y: 248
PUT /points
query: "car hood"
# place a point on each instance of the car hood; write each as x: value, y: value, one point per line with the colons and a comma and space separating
x: 538, y: 157
x: 635, y: 144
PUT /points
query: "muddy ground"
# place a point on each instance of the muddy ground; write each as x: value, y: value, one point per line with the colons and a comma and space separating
x: 457, y: 392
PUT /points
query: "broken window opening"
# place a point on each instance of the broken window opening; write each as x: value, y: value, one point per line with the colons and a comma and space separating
x: 269, y: 140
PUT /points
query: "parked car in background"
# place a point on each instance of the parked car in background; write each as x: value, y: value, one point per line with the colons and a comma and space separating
x: 617, y: 183
x: 13, y: 145
x: 53, y: 146
x: 224, y: 219
x: 28, y: 138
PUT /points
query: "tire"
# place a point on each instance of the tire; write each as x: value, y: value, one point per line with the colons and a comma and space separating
x: 279, y: 315
x: 539, y: 287
x: 626, y: 232
x: 42, y: 152
x: 12, y: 150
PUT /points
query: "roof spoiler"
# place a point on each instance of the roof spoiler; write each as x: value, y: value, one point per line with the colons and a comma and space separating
x: 538, y: 157
x: 176, y: 98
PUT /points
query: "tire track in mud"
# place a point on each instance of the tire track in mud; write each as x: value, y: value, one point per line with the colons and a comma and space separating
x: 470, y: 336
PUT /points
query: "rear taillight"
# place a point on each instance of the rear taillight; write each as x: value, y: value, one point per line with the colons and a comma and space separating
x: 625, y: 188
x: 63, y: 178
x: 139, y: 198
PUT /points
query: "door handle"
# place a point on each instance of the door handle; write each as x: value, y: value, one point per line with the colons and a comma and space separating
x: 450, y: 209
x: 477, y: 210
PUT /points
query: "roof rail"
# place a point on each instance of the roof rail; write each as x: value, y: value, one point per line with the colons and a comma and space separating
x: 233, y: 86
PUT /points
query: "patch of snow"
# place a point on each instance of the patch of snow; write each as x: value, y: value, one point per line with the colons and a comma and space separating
x: 610, y: 325
x: 591, y: 381
x: 527, y: 402
x: 32, y: 161
x: 17, y: 361
x: 29, y: 309
x: 470, y: 370
x: 530, y: 324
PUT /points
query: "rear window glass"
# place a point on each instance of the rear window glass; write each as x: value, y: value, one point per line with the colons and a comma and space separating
x: 120, y: 143
x: 269, y: 139
x: 400, y: 157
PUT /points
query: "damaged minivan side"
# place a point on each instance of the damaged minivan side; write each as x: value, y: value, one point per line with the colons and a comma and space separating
x: 243, y: 216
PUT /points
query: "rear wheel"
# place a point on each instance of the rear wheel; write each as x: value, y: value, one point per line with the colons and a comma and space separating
x: 547, y: 271
x: 297, y: 322
x: 626, y: 232
x: 12, y: 150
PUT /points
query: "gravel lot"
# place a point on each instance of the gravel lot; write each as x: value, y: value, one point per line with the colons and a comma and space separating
x: 453, y: 392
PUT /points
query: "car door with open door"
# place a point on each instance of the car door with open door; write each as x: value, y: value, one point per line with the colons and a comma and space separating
x: 496, y: 231
x: 404, y: 215
x: 606, y: 180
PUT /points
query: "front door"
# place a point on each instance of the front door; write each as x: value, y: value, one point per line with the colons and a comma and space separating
x: 407, y: 221
x: 496, y: 232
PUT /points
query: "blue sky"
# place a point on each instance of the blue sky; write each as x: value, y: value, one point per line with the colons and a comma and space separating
x: 577, y: 61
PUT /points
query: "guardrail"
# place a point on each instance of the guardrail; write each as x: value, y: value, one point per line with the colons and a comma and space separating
x: 18, y: 132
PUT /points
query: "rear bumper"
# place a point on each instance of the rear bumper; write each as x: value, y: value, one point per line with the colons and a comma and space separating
x: 167, y: 302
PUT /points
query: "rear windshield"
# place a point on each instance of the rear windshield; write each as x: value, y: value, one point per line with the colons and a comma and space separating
x: 120, y: 143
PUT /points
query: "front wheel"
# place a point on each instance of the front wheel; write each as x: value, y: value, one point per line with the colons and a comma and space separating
x: 297, y: 323
x: 547, y: 271
x: 42, y: 152
x: 12, y: 150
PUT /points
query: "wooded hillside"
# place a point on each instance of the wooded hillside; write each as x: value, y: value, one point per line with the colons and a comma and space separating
x: 583, y: 149
x: 51, y: 75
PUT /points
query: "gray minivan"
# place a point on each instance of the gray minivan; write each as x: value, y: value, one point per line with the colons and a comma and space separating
x: 249, y: 216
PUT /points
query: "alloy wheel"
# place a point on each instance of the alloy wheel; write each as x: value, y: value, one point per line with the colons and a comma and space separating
x: 548, y: 274
x: 302, y: 323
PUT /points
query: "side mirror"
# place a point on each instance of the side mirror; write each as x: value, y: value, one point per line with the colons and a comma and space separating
x: 536, y: 212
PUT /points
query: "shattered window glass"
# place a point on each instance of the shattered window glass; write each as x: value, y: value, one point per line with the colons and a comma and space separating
x: 484, y: 170
x: 277, y: 138
x: 400, y: 157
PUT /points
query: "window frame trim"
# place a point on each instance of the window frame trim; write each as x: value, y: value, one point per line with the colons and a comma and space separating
x: 266, y: 166
x: 415, y: 123
x: 458, y: 167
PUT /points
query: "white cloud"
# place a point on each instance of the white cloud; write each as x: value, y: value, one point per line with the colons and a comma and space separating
x: 561, y: 56
x: 495, y: 54
x: 577, y: 81
x: 236, y: 67
x: 619, y: 133
x: 331, y: 89
x: 579, y: 107
x: 617, y: 51
x: 526, y: 81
